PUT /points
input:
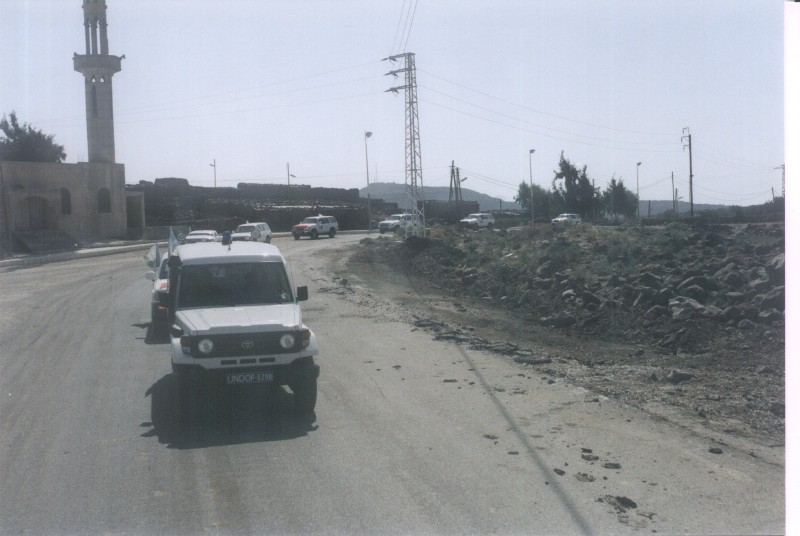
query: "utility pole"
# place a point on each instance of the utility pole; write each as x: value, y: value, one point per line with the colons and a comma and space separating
x: 782, y: 167
x: 288, y: 175
x: 214, y: 165
x: 674, y: 194
x: 687, y: 136
x: 638, y: 216
x: 369, y: 199
x: 414, y: 187
x: 5, y: 220
x: 455, y: 190
x: 530, y: 178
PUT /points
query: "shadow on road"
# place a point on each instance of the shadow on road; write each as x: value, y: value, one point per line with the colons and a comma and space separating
x: 230, y: 419
x: 150, y: 336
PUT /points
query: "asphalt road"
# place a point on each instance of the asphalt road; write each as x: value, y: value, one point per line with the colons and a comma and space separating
x: 412, y: 435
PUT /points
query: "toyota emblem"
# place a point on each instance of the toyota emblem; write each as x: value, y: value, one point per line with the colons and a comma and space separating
x: 247, y: 345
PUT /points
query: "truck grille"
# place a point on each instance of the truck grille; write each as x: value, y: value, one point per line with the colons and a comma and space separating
x: 245, y: 344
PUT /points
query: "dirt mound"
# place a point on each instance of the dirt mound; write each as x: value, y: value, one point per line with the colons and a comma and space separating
x: 693, y: 313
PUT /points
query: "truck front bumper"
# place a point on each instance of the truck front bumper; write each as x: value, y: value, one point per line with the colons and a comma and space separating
x: 298, y: 371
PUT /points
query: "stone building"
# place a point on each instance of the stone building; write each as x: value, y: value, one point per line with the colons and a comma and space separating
x: 80, y: 202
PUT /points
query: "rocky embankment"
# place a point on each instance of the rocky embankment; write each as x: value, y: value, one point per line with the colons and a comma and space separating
x: 701, y: 307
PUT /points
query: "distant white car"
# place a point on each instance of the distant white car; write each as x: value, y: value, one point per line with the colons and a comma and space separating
x: 202, y: 236
x: 571, y: 219
x: 314, y: 226
x: 256, y: 232
x: 395, y: 222
x: 479, y: 220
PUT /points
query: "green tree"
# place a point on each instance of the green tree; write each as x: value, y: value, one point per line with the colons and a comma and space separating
x: 541, y: 200
x: 572, y: 189
x: 617, y: 200
x: 23, y: 143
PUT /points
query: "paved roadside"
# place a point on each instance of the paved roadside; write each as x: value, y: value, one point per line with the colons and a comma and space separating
x: 110, y: 249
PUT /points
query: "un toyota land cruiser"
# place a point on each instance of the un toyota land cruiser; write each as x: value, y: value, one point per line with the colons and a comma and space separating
x: 237, y: 324
x: 314, y: 226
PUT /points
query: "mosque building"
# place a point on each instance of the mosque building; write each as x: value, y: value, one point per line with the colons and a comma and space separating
x: 46, y: 206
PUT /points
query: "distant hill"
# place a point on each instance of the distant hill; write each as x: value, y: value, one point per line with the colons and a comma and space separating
x: 396, y: 193
x: 654, y: 208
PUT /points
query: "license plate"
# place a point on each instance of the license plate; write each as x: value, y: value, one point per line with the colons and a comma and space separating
x: 240, y: 378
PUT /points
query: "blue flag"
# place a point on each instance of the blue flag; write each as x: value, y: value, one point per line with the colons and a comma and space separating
x: 173, y: 242
x: 152, y: 258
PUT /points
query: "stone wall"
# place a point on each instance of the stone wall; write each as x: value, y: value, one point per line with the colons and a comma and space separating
x: 85, y: 200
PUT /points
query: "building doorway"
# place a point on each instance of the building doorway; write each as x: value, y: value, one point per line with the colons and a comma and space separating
x: 34, y: 213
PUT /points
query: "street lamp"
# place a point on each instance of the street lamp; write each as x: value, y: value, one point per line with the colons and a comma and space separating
x: 637, y: 190
x: 214, y: 165
x: 369, y: 197
x: 530, y: 174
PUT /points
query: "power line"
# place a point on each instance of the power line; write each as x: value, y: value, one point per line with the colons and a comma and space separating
x: 413, y: 15
x: 397, y: 30
x: 245, y: 110
x: 535, y: 124
x: 544, y: 133
x: 168, y: 107
x: 546, y: 113
x: 731, y: 160
x: 203, y: 99
x: 490, y: 180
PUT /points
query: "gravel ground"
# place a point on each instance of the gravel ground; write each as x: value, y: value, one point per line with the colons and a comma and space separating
x: 711, y: 368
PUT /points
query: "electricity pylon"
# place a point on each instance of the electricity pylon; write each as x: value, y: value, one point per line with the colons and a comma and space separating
x: 414, y: 187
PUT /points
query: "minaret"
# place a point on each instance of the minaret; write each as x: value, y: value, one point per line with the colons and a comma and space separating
x: 97, y: 68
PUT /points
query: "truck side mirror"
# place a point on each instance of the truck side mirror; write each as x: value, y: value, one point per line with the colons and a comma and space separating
x: 302, y: 293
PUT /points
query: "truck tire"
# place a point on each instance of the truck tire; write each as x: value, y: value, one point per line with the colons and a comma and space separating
x: 332, y: 233
x: 305, y: 396
x: 296, y: 236
x: 313, y: 234
x: 158, y: 322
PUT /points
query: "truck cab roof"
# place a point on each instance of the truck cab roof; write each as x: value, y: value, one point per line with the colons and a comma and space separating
x: 216, y: 252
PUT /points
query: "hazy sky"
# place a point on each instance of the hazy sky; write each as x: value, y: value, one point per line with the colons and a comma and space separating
x: 259, y: 84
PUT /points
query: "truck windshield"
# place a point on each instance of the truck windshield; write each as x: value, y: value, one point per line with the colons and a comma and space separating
x: 228, y: 285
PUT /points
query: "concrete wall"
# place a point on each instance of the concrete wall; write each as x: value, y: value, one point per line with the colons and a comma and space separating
x: 35, y: 198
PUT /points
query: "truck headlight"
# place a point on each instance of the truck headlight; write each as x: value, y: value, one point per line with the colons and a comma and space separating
x: 287, y: 341
x: 206, y: 346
